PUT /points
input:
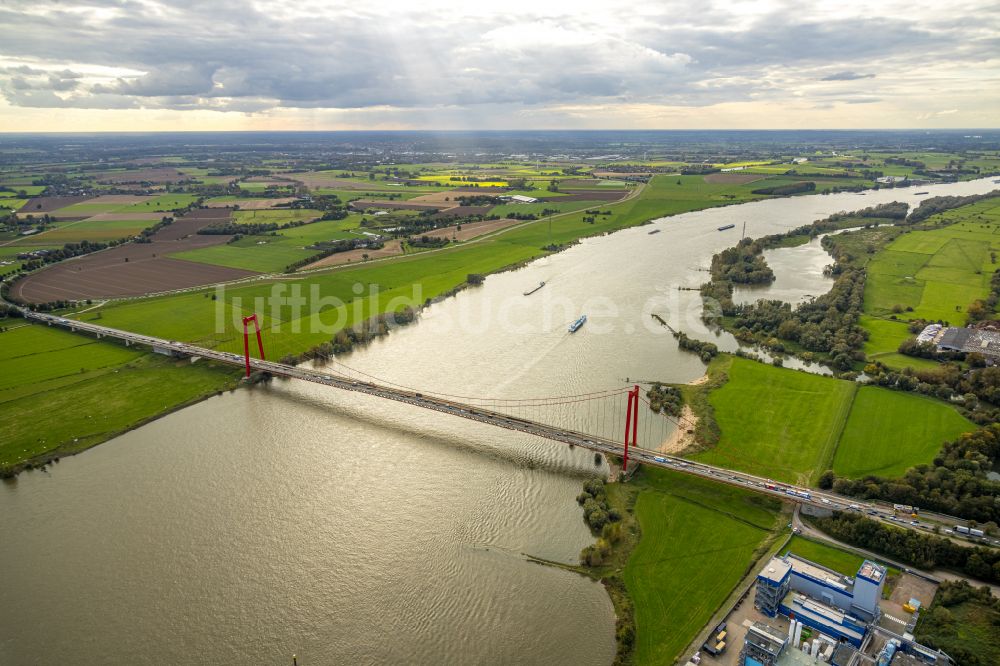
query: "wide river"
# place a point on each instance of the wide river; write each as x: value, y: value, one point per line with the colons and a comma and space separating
x: 292, y: 518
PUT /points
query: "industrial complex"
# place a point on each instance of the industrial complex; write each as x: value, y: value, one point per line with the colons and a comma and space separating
x: 805, y: 614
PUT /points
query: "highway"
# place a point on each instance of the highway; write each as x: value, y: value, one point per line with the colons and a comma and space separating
x: 805, y: 496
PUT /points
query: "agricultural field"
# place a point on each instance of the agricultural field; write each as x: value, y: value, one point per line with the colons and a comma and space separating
x: 79, y: 392
x: 775, y: 422
x: 12, y: 203
x: 272, y: 253
x: 424, y: 274
x: 932, y: 273
x: 888, y: 432
x: 791, y: 425
x: 275, y: 216
x: 698, y: 539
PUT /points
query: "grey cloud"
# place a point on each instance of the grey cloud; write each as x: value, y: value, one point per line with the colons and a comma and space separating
x: 228, y: 55
x: 846, y: 76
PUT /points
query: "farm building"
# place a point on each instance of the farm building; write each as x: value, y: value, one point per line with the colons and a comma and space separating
x: 891, y: 180
x: 985, y: 341
x: 520, y: 198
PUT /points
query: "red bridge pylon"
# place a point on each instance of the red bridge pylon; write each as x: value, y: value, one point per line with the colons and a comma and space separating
x: 246, y: 339
x: 631, y: 422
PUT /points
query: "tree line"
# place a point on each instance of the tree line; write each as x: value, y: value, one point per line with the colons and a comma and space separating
x: 921, y: 550
x: 956, y: 482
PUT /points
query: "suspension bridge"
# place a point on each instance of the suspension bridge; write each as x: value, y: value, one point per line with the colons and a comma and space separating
x: 605, y: 422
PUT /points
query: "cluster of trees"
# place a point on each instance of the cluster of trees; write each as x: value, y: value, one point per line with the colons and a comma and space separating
x: 428, y: 241
x: 706, y: 350
x: 594, y: 501
x: 895, y: 210
x: 66, y: 251
x: 8, y: 311
x: 146, y: 235
x: 784, y: 190
x: 955, y: 483
x: 983, y: 310
x: 939, y: 629
x: 358, y: 335
x: 902, y: 161
x: 827, y: 324
x: 912, y: 547
x: 935, y: 205
x: 478, y: 200
x: 742, y: 264
x: 236, y: 229
x: 602, y: 519
x: 665, y: 399
x: 328, y: 248
x: 976, y: 389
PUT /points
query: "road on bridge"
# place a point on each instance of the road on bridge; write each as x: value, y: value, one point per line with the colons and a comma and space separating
x: 816, y: 498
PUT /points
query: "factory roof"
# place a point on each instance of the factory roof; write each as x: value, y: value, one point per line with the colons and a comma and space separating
x: 766, y: 631
x: 834, y: 620
x: 775, y: 570
x: 871, y: 571
x: 817, y: 572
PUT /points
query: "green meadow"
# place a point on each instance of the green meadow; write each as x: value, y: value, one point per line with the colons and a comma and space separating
x: 931, y: 273
x: 888, y: 432
x: 791, y: 426
x: 776, y: 422
x: 79, y: 392
x: 698, y: 541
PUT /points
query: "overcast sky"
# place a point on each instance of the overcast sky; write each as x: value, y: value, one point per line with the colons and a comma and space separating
x: 313, y: 65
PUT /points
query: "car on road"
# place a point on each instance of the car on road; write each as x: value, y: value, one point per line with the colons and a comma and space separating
x: 659, y: 459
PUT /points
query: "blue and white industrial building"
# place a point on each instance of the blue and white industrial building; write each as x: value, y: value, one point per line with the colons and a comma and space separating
x: 820, y: 598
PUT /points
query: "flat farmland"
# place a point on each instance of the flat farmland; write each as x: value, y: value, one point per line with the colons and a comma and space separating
x: 247, y: 204
x: 18, y: 189
x: 107, y: 274
x: 733, y: 177
x: 328, y: 179
x: 33, y: 354
x: 888, y: 432
x: 39, y: 205
x: 938, y: 272
x: 561, y: 205
x: 275, y: 216
x: 12, y: 203
x: 472, y: 230
x: 134, y: 269
x: 149, y: 175
x: 97, y: 230
x: 776, y: 422
x: 587, y: 195
x: 78, y: 391
x: 125, y: 203
x: 272, y: 253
